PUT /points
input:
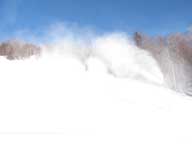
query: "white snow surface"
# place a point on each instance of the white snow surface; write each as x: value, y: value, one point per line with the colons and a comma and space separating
x: 55, y: 100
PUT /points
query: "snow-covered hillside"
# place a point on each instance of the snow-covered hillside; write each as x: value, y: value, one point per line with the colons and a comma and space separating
x: 114, y: 95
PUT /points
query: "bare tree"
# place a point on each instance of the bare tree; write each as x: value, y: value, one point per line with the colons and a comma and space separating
x: 16, y: 49
x: 173, y: 53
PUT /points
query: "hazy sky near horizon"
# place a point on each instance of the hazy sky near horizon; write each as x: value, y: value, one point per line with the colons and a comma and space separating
x: 149, y: 16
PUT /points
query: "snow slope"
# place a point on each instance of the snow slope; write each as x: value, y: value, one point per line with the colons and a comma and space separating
x: 55, y: 99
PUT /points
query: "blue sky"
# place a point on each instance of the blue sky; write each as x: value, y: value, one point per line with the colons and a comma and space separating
x: 149, y: 16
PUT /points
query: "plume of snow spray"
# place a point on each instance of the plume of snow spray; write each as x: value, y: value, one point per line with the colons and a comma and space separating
x: 115, y: 50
